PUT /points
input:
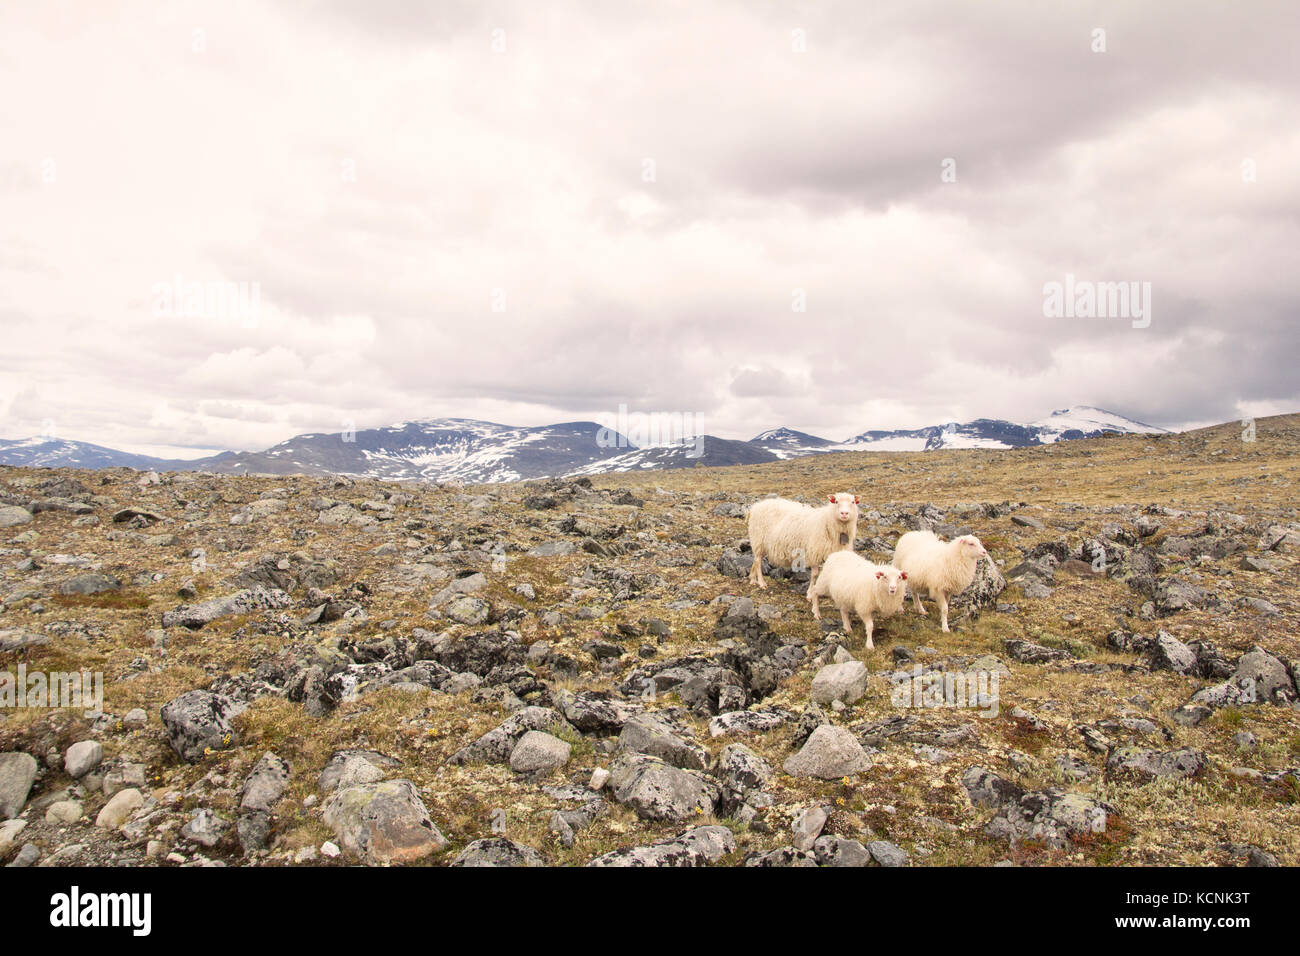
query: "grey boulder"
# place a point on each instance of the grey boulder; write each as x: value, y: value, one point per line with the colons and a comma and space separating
x: 17, y: 773
x: 265, y: 784
x: 537, y: 751
x: 845, y: 682
x: 198, y: 721
x: 698, y: 846
x: 830, y: 752
x: 653, y: 734
x: 382, y: 823
x: 498, y: 851
x: 656, y: 790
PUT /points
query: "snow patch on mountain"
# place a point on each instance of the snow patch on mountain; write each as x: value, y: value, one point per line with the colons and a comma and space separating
x: 446, y: 449
x: 1089, y: 421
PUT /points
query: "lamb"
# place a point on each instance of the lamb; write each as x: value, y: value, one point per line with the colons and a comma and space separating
x: 855, y: 584
x: 942, y: 568
x: 794, y: 535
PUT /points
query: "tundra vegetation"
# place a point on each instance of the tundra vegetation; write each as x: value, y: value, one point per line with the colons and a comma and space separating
x: 324, y: 671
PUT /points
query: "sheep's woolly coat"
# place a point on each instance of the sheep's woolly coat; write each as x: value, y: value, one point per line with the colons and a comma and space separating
x: 852, y: 584
x: 938, y: 567
x: 785, y: 531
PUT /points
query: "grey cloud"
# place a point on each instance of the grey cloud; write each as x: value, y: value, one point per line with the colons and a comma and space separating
x: 522, y: 171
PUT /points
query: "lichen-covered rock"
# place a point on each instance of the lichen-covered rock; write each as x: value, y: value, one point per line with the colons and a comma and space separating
x: 498, y: 851
x: 782, y: 856
x: 598, y: 712
x: 656, y: 790
x: 1028, y: 652
x: 265, y: 784
x: 887, y: 854
x: 247, y: 601
x: 733, y: 564
x: 833, y: 850
x: 987, y: 789
x: 1170, y: 654
x: 1184, y: 762
x: 698, y: 846
x: 984, y: 590
x: 198, y: 721
x: 657, y: 735
x: 748, y: 722
x: 11, y: 516
x: 741, y: 771
x: 1272, y: 682
x: 1053, y: 817
x: 347, y: 768
x: 498, y: 744
x: 468, y: 609
x: 383, y: 822
x: 89, y: 583
x: 206, y: 828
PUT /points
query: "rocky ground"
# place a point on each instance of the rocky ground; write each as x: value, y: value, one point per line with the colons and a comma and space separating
x: 326, y: 671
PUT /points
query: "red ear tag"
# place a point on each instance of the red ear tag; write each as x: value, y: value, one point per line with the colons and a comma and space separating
x: 879, y: 575
x: 832, y: 499
x: 855, y: 499
x: 904, y: 576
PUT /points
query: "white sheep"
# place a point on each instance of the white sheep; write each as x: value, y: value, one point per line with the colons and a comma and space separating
x: 793, y: 535
x: 856, y: 584
x: 942, y: 568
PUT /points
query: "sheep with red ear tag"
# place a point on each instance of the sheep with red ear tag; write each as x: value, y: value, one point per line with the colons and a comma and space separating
x: 794, y: 535
x: 858, y: 586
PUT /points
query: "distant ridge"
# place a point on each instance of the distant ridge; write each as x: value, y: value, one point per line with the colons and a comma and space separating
x: 445, y: 449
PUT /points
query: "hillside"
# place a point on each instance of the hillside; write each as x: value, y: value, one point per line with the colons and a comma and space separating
x: 499, y: 645
x: 461, y: 449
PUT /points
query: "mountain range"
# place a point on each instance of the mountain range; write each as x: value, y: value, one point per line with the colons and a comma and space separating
x: 446, y: 449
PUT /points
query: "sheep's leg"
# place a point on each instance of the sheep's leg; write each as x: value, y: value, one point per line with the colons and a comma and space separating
x: 816, y: 601
x: 846, y: 621
x: 943, y: 611
x: 916, y: 599
x: 756, y: 570
x: 870, y: 627
x: 812, y: 578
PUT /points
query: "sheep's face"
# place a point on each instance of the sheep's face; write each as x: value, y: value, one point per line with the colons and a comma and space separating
x: 971, y: 547
x: 891, y: 579
x: 847, y: 507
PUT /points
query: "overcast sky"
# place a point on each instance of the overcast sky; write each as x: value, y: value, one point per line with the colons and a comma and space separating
x: 535, y: 212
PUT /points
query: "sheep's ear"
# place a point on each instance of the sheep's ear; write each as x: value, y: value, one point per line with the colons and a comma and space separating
x: 832, y: 499
x: 903, y: 576
x: 855, y: 499
x: 879, y: 575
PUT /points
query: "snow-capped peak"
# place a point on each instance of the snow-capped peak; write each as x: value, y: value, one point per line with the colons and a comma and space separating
x: 1087, y: 418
